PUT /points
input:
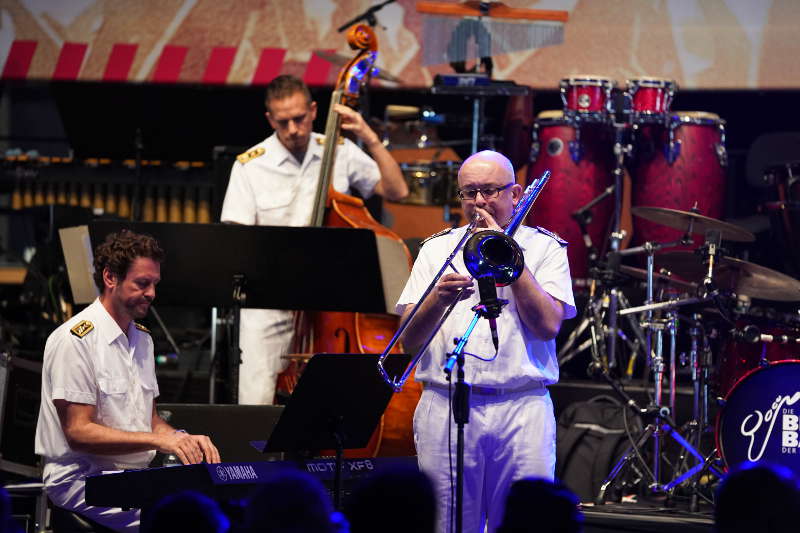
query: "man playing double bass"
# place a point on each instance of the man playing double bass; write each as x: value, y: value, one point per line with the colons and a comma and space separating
x: 274, y: 184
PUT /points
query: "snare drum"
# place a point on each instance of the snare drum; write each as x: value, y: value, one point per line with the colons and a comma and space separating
x: 581, y: 159
x: 651, y: 99
x: 677, y: 166
x: 430, y: 183
x: 759, y: 420
x: 587, y: 98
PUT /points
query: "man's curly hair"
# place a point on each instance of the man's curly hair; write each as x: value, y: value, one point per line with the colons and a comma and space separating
x: 120, y: 250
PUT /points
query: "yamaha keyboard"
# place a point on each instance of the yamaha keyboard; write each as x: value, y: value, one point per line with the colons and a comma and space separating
x: 137, y: 489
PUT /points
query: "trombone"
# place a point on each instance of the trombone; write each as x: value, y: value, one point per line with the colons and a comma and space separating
x: 487, y: 252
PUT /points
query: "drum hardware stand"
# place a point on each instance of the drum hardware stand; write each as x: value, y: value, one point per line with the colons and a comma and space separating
x: 662, y: 423
x: 700, y: 363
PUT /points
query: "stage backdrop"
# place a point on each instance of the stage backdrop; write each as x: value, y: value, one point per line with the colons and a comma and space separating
x: 705, y: 44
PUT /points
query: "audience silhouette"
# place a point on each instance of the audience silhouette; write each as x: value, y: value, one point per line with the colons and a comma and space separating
x: 758, y: 497
x: 186, y: 511
x: 541, y: 506
x: 395, y: 500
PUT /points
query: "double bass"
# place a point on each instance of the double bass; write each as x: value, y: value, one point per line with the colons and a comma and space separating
x: 347, y: 332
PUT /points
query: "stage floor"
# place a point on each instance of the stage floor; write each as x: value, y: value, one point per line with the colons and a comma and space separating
x: 645, y: 518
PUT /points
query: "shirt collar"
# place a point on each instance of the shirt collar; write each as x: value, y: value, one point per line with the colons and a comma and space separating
x: 106, y: 325
x: 283, y: 156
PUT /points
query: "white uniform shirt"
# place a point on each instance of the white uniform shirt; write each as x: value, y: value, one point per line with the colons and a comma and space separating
x: 275, y: 190
x: 104, y: 368
x: 522, y: 358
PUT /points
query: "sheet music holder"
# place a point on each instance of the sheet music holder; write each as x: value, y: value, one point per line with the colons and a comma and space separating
x: 291, y: 270
x: 337, y: 404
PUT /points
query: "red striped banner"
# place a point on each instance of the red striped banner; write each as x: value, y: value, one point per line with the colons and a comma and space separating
x: 269, y: 65
x: 19, y: 59
x: 70, y: 61
x: 119, y: 62
x: 219, y: 64
x: 168, y: 68
x: 317, y: 70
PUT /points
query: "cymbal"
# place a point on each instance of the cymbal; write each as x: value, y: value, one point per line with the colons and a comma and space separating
x: 680, y: 220
x: 669, y: 278
x: 341, y: 60
x: 735, y: 275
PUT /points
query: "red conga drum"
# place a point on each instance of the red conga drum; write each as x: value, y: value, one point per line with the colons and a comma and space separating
x: 678, y: 166
x: 581, y: 160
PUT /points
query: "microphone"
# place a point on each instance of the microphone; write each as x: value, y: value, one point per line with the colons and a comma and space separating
x: 748, y: 334
x: 490, y: 306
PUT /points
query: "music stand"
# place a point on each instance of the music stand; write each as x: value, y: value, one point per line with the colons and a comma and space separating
x: 337, y: 404
x: 272, y: 267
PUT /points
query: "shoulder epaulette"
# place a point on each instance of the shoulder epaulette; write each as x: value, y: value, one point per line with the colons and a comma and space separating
x: 552, y: 234
x: 250, y: 155
x: 82, y: 328
x: 141, y: 327
x: 321, y: 140
x: 439, y: 234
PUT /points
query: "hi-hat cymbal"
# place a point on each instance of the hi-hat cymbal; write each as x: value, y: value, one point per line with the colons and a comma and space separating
x: 669, y: 278
x: 735, y: 275
x: 341, y: 60
x: 680, y: 220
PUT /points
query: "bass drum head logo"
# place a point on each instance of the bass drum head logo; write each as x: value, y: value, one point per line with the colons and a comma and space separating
x: 761, y: 418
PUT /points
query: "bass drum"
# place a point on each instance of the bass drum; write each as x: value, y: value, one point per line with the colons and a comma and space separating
x: 581, y: 160
x: 739, y: 357
x: 759, y: 420
x: 679, y: 166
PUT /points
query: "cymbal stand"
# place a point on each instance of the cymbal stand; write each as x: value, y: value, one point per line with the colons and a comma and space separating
x: 661, y: 424
x: 621, y: 149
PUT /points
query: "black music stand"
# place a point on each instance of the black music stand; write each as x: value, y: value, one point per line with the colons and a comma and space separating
x: 272, y: 267
x: 337, y: 404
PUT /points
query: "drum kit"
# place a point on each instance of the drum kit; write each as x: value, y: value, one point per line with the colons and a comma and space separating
x: 742, y: 358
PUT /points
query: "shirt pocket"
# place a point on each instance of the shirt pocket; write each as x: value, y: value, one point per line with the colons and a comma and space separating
x: 112, y: 385
x: 113, y: 401
x: 272, y: 206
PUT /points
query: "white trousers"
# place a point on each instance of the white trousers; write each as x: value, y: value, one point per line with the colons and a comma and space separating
x: 264, y: 338
x: 507, y: 438
x: 72, y: 497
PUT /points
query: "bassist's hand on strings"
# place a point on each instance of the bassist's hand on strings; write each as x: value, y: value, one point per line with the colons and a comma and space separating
x: 352, y: 121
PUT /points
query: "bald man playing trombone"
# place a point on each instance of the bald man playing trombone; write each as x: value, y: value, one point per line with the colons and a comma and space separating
x: 511, y: 430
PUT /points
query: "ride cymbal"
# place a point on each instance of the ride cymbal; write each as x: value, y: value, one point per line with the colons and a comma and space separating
x: 735, y: 275
x: 681, y: 220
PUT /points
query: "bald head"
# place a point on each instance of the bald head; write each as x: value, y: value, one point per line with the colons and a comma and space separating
x: 492, y: 174
x: 488, y: 163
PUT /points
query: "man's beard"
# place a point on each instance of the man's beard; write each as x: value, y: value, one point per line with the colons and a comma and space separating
x: 139, y: 309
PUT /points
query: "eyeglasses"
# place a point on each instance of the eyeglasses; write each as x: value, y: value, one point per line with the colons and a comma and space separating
x: 487, y: 192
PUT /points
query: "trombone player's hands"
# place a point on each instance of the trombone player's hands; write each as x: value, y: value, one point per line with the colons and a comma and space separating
x: 449, y: 287
x: 487, y: 221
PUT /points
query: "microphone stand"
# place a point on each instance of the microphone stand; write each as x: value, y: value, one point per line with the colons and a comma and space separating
x: 489, y: 307
x: 368, y: 16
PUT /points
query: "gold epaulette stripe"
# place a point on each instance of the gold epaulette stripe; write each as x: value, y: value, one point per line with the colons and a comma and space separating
x: 250, y: 155
x: 438, y: 234
x: 82, y: 328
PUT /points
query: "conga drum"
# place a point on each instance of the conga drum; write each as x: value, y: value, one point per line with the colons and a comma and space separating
x: 581, y: 160
x: 679, y: 165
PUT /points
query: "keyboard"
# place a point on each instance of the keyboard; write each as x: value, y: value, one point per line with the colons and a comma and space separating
x: 137, y: 489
